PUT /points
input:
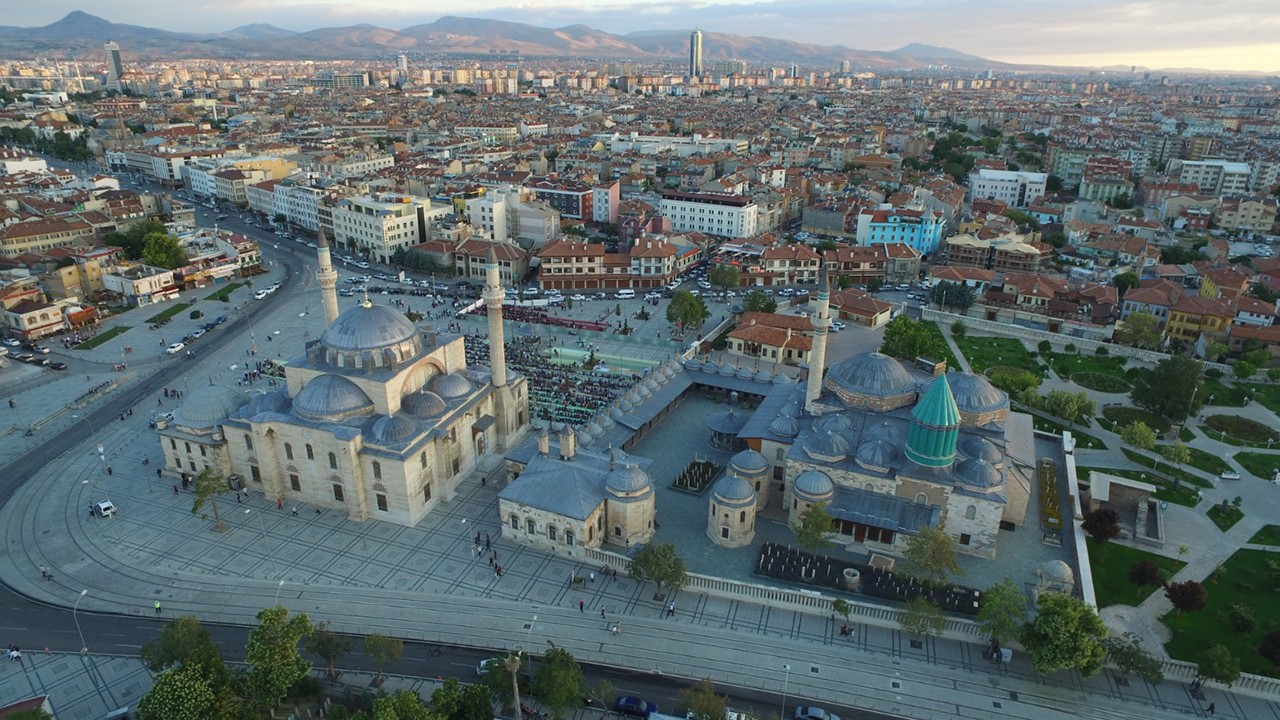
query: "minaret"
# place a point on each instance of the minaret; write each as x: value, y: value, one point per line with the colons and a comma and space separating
x: 328, y: 278
x: 821, y: 324
x: 493, y: 295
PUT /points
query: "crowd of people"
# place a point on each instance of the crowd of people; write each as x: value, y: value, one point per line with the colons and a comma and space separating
x: 559, y: 393
x: 541, y: 316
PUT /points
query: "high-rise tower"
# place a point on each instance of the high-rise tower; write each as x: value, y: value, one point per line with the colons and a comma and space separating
x: 117, y: 66
x: 493, y: 295
x: 695, y: 53
x: 328, y: 279
x: 821, y: 324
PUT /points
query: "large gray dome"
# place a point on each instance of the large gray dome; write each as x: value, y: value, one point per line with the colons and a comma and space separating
x: 331, y: 398
x: 826, y: 446
x: 749, y: 462
x: 870, y: 374
x: 733, y: 490
x: 209, y: 405
x: 975, y: 393
x: 368, y: 327
x: 627, y: 479
x: 391, y: 429
x: 423, y: 404
x: 813, y: 485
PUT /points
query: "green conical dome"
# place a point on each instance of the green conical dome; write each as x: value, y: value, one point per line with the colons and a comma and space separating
x: 936, y: 427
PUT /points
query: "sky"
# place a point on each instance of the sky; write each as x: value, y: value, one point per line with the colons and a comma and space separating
x: 1211, y: 34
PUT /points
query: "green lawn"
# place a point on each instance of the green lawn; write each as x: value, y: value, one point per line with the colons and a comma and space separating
x: 1247, y: 578
x: 1083, y: 440
x: 949, y: 356
x: 102, y: 337
x: 1225, y: 516
x: 1184, y: 494
x: 1066, y: 365
x: 1239, y: 431
x: 1110, y: 563
x: 985, y: 352
x: 1268, y: 535
x: 224, y: 291
x: 1208, y: 462
x: 1186, y: 435
x: 1263, y: 465
x: 1167, y: 468
x: 1267, y: 395
x: 1122, y: 416
x: 168, y: 312
x: 1223, y: 394
x: 1100, y: 382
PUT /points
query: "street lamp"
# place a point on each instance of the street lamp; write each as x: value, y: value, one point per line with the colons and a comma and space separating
x: 83, y: 647
x: 785, y: 679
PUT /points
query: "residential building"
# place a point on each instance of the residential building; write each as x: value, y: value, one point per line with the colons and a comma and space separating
x: 1006, y: 253
x: 918, y: 228
x: 379, y: 225
x: 1192, y: 316
x: 510, y: 214
x: 732, y: 216
x: 791, y: 264
x: 1215, y: 177
x: 605, y: 199
x: 570, y: 198
x: 777, y: 338
x: 1017, y: 188
x: 1247, y: 214
x: 471, y: 259
x: 858, y: 306
x: 136, y: 284
x: 43, y: 234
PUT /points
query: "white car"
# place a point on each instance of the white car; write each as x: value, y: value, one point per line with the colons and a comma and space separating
x: 175, y: 348
x: 12, y: 342
x: 261, y: 294
x: 578, y: 296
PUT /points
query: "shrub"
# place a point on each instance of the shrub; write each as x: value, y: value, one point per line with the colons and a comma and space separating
x: 195, y: 315
x: 1240, y: 618
x: 1145, y: 572
x: 1071, y: 349
x: 958, y: 328
x: 1273, y: 374
x: 1102, y: 351
x: 1214, y: 373
x: 1045, y: 346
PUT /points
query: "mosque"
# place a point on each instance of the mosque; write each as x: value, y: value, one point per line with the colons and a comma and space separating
x: 376, y: 418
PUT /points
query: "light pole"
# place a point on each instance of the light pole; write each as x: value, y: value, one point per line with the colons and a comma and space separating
x: 83, y: 647
x: 785, y: 680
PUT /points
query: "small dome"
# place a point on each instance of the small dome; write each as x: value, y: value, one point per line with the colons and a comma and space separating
x: 836, y: 423
x: 869, y: 374
x: 651, y: 381
x: 791, y: 409
x: 277, y: 401
x: 616, y: 412
x: 727, y: 422
x: 983, y: 449
x: 451, y: 386
x: 746, y: 373
x: 634, y: 398
x: 1057, y: 571
x: 209, y: 405
x: 728, y: 370
x: 391, y: 429
x: 978, y: 474
x: 693, y: 364
x: 784, y: 426
x: 642, y: 390
x: 605, y: 420
x: 813, y: 485
x: 423, y: 404
x: 876, y: 454
x: 749, y: 462
x: 627, y: 478
x: 782, y: 379
x: 584, y: 437
x: 882, y: 431
x: 826, y: 447
x: 331, y: 398
x: 764, y: 376
x: 732, y: 489
x: 975, y: 393
x: 594, y: 429
x: 368, y: 327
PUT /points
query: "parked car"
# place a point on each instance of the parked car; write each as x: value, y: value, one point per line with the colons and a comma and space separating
x: 12, y: 342
x: 175, y: 348
x: 1230, y: 475
x: 102, y: 509
x: 811, y: 712
x: 628, y: 705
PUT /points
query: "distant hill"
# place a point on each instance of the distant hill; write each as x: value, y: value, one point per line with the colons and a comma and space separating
x: 81, y: 34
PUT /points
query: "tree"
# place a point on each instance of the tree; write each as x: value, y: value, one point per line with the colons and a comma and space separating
x: 1125, y: 281
x: 1073, y: 407
x: 686, y: 309
x: 1139, y: 329
x: 179, y: 641
x: 1053, y: 183
x: 1145, y: 572
x: 1244, y: 370
x: 133, y: 240
x: 1270, y: 647
x: 910, y: 339
x: 756, y: 301
x: 1065, y: 634
x: 813, y: 526
x: 841, y: 607
x: 402, y: 705
x: 178, y: 694
x: 558, y: 681
x: 724, y: 276
x: 328, y: 645
x: 919, y: 617
x: 602, y: 693
x: 455, y: 701
x: 209, y: 484
x: 1128, y: 655
x: 1189, y: 596
x: 1003, y: 610
x: 272, y: 654
x: 660, y: 563
x: 930, y: 556
x: 29, y: 714
x: 1177, y: 453
x: 163, y: 251
x: 874, y: 284
x: 383, y: 650
x: 1102, y: 524
x: 1171, y: 389
x: 1219, y: 665
x: 703, y: 702
x: 949, y: 294
x: 1138, y: 436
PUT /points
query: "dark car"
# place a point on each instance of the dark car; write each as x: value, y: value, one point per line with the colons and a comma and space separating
x: 628, y: 705
x: 58, y: 365
x: 220, y: 319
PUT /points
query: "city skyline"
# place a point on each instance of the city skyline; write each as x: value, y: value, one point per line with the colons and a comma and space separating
x: 1239, y: 36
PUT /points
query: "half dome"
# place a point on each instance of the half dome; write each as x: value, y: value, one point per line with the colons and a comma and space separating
x: 209, y: 405
x: 451, y: 386
x: 331, y: 398
x: 391, y: 429
x: 423, y: 404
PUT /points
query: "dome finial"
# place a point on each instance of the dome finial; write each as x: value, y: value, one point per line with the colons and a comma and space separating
x: 367, y: 303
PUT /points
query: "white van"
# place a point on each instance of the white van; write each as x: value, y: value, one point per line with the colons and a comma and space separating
x: 626, y: 294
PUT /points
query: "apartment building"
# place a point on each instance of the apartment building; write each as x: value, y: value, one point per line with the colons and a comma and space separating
x: 489, y: 135
x: 299, y: 204
x: 1215, y: 177
x: 733, y: 216
x: 1006, y: 253
x: 605, y: 198
x: 1192, y: 316
x: 683, y: 146
x: 1247, y: 214
x: 378, y: 225
x: 571, y: 198
x: 137, y: 284
x: 355, y: 165
x: 916, y: 227
x: 233, y: 185
x: 42, y: 235
x: 471, y: 258
x: 791, y: 264
x: 512, y: 214
x: 1015, y: 188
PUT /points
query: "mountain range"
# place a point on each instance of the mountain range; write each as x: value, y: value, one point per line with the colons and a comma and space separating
x: 81, y: 35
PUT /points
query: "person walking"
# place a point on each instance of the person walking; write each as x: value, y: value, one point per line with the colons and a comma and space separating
x: 157, y: 607
x: 238, y: 496
x: 279, y: 503
x: 110, y: 471
x: 175, y: 489
x: 617, y: 628
x: 582, y: 606
x: 294, y: 511
x: 671, y: 608
x: 602, y: 612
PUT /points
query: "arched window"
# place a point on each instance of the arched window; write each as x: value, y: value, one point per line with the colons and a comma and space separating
x: 922, y: 499
x: 515, y: 522
x: 288, y: 451
x: 530, y: 526
x: 780, y: 455
x: 311, y: 453
x: 551, y: 533
x: 422, y: 459
x: 377, y: 470
x: 742, y: 516
x: 333, y: 461
x: 971, y: 512
x: 568, y: 537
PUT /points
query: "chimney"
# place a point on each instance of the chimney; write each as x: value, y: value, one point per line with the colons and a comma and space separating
x: 544, y: 443
x: 568, y: 442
